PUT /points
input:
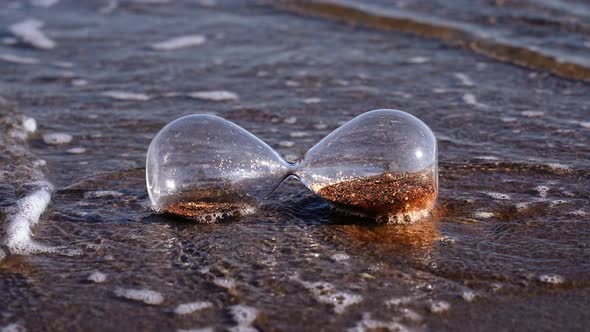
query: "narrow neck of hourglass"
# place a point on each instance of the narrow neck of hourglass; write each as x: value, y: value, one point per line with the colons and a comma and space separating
x: 293, y: 169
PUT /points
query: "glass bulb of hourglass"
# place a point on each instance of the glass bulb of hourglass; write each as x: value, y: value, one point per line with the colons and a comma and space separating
x: 382, y: 164
x: 205, y: 168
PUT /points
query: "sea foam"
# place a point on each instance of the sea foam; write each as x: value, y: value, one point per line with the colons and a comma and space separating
x: 189, y: 308
x: 179, y: 42
x: 29, y: 31
x: 146, y: 296
x: 27, y: 212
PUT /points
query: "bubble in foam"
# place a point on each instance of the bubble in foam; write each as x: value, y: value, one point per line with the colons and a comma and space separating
x: 484, y: 214
x: 29, y: 124
x: 447, y: 240
x: 439, y: 307
x: 339, y: 257
x: 411, y: 315
x: 189, y: 308
x: 102, y: 194
x: 532, y: 114
x: 400, y: 301
x: 325, y: 292
x: 499, y: 196
x: 367, y: 324
x: 57, y: 138
x: 76, y: 150
x: 522, y: 206
x: 243, y: 315
x: 553, y: 279
x: 97, y: 277
x: 217, y: 95
x: 542, y: 190
x: 290, y: 120
x: 559, y: 168
x: 468, y: 295
x: 146, y: 296
x: 204, y: 329
x: 578, y: 213
x: 224, y: 283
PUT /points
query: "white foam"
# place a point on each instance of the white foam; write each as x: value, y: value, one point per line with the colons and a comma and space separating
x: 447, y: 240
x: 287, y: 144
x: 484, y: 214
x: 559, y: 168
x: 325, y: 292
x: 468, y: 295
x: 367, y: 324
x: 470, y: 99
x: 14, y: 327
x: 27, y: 213
x: 439, y: 307
x: 298, y: 134
x: 29, y: 124
x: 29, y: 31
x: 542, y: 190
x: 418, y: 60
x: 224, y: 283
x: 290, y: 120
x: 508, y: 119
x: 77, y: 150
x: 122, y: 95
x: 400, y: 301
x: 44, y: 3
x: 102, y: 194
x: 553, y: 279
x: 292, y: 84
x: 18, y: 59
x: 189, y: 308
x: 499, y: 196
x: 63, y: 64
x: 204, y: 329
x: 532, y: 114
x: 180, y: 42
x: 97, y: 277
x: 339, y: 257
x: 57, y: 138
x: 242, y: 328
x: 243, y: 315
x: 146, y: 296
x: 520, y: 207
x: 79, y: 82
x: 487, y: 158
x: 578, y: 213
x: 408, y: 217
x: 464, y: 79
x: 585, y: 124
x: 312, y: 100
x: 216, y: 95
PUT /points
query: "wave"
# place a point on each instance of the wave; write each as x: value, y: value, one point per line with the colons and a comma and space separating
x: 491, y: 42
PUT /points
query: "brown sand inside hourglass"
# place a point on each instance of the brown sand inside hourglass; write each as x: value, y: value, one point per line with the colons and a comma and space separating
x: 400, y: 197
x: 209, y: 205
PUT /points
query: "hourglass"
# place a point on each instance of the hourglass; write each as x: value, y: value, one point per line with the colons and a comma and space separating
x: 381, y: 164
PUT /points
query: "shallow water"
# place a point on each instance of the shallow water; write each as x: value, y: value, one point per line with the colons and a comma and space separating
x: 507, y: 246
